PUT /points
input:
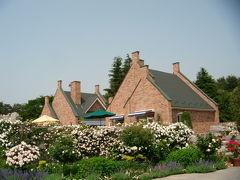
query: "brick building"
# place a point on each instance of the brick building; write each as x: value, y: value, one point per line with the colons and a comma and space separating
x: 71, y: 106
x: 155, y: 95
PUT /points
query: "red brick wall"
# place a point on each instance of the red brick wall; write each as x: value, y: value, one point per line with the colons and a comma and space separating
x: 96, y: 106
x: 137, y: 93
x: 201, y: 120
x: 63, y: 109
x: 46, y: 111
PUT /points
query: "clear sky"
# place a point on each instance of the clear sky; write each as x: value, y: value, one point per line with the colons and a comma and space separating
x: 43, y: 41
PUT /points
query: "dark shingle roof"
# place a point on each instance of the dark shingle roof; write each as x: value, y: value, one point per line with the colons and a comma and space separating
x: 53, y: 113
x: 174, y: 89
x: 87, y: 99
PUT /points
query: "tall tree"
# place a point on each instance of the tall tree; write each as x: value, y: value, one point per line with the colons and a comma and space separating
x: 33, y: 108
x: 5, y: 108
x: 117, y: 75
x: 225, y: 106
x: 230, y: 83
x: 235, y: 104
x: 206, y: 83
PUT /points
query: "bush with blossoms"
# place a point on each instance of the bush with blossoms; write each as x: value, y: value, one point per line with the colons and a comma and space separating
x: 209, y: 145
x: 22, y: 155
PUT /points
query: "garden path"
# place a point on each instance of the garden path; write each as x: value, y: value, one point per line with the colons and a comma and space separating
x: 232, y: 173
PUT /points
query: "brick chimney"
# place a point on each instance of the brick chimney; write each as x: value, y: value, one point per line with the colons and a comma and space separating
x: 46, y: 100
x: 135, y: 57
x: 97, y: 89
x: 176, y: 68
x: 59, y: 83
x: 76, y: 92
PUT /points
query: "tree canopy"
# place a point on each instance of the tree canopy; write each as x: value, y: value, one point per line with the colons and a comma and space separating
x: 117, y: 75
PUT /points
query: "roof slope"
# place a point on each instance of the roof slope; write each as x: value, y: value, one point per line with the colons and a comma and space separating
x: 87, y: 99
x: 182, y: 95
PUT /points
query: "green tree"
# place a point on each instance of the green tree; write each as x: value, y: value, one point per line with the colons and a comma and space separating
x: 117, y: 75
x: 223, y: 99
x: 33, y: 108
x: 235, y: 105
x: 228, y: 84
x: 5, y: 108
x: 206, y: 83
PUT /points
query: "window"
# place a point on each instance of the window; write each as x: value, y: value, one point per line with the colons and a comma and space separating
x: 179, y: 117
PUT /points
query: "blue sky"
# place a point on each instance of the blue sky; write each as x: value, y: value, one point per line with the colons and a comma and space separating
x: 43, y: 41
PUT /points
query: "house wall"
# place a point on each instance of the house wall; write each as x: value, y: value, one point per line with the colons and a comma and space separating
x: 63, y: 109
x: 201, y: 120
x: 136, y: 93
x: 46, y: 111
x: 96, y: 106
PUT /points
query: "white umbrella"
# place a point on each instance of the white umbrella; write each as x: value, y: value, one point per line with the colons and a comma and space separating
x: 45, y: 119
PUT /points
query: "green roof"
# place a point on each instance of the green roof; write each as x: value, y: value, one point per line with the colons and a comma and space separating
x: 180, y: 94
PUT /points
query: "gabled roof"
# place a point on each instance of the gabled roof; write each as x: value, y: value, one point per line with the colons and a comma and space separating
x: 87, y: 99
x: 53, y: 113
x: 180, y: 94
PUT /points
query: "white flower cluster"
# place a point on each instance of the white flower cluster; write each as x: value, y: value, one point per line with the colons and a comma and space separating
x: 100, y: 142
x: 177, y: 134
x: 22, y: 154
x: 231, y: 129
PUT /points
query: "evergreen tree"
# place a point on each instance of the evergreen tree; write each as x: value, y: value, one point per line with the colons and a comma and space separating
x: 224, y: 104
x: 206, y: 83
x: 235, y: 105
x: 230, y: 83
x: 117, y: 75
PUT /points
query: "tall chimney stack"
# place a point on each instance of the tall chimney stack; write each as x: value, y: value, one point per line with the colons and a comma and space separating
x: 59, y: 83
x: 135, y: 57
x: 76, y: 92
x: 176, y: 68
x: 46, y: 100
x: 97, y: 89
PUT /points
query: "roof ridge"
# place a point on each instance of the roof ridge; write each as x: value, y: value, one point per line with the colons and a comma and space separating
x: 161, y: 71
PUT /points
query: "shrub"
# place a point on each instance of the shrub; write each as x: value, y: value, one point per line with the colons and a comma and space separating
x: 186, y: 119
x: 22, y: 155
x: 160, y: 151
x: 209, y: 145
x: 63, y: 150
x: 139, y: 138
x: 99, y: 165
x: 184, y: 156
x: 121, y: 176
x: 6, y: 174
x: 52, y: 177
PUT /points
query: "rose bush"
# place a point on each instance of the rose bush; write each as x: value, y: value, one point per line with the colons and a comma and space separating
x: 22, y: 154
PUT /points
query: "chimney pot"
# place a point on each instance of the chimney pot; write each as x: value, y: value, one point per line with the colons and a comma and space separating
x: 176, y: 68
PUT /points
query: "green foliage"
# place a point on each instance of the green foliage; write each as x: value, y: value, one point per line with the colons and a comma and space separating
x: 235, y: 104
x: 63, y: 150
x: 220, y: 165
x: 99, y: 165
x: 184, y: 156
x: 229, y: 83
x: 117, y: 74
x: 5, y: 108
x: 225, y: 106
x: 33, y: 108
x: 200, y: 169
x: 52, y: 177
x: 206, y: 83
x: 137, y: 136
x: 160, y: 151
x: 121, y: 176
x: 208, y: 144
x: 186, y: 119
x: 93, y: 176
